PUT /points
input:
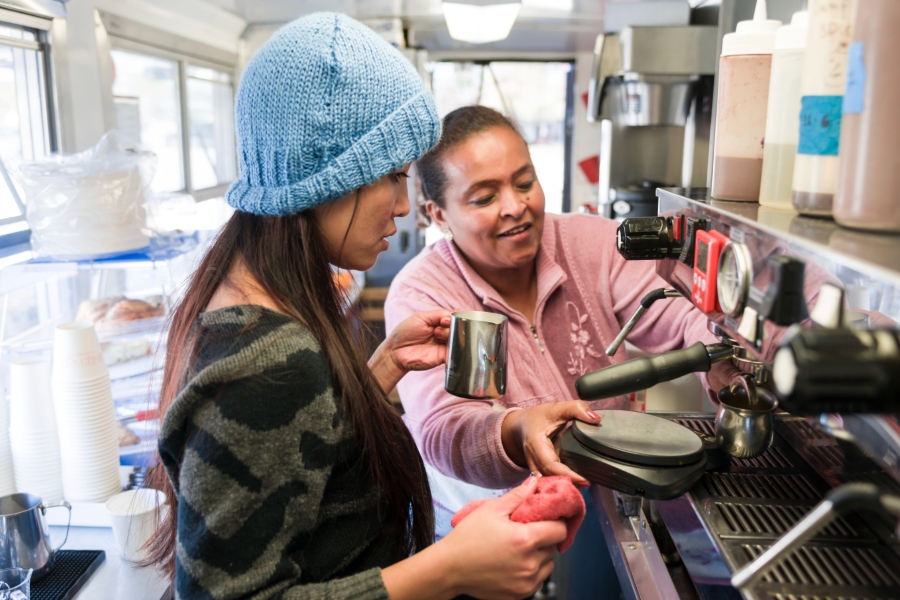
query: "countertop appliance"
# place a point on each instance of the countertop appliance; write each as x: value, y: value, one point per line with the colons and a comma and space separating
x: 784, y: 525
x: 651, y: 91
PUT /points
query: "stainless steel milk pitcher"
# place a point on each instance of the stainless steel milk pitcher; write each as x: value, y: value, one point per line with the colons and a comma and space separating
x: 476, y: 355
x: 24, y: 538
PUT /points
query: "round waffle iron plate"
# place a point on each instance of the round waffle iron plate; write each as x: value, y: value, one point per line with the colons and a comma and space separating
x: 639, y: 438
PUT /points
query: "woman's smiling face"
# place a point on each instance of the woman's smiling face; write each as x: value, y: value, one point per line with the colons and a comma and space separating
x: 494, y: 204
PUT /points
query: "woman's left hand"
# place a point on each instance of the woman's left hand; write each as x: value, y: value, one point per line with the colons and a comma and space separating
x: 417, y: 343
x: 530, y: 435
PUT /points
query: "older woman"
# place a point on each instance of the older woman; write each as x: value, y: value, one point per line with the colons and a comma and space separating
x: 559, y: 280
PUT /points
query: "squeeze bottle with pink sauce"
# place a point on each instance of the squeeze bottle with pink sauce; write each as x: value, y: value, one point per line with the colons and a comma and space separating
x: 743, y: 96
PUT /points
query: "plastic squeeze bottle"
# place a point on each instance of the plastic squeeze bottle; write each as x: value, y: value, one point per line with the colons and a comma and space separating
x: 744, y: 69
x: 822, y: 85
x: 869, y: 174
x: 783, y: 114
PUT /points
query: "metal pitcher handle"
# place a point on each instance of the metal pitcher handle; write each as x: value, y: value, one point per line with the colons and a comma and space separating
x: 62, y: 504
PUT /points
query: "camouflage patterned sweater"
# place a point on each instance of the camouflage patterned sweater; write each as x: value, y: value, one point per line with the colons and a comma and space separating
x: 274, y: 501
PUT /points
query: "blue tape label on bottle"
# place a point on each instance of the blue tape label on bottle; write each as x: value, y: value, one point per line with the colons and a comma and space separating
x: 820, y: 125
x: 854, y: 96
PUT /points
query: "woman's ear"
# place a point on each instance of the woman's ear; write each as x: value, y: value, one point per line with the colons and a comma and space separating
x: 437, y: 214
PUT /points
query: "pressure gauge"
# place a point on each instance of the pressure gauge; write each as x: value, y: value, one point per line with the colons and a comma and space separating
x: 735, y: 275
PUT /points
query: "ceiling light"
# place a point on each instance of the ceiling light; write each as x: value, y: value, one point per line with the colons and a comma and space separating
x: 480, y: 23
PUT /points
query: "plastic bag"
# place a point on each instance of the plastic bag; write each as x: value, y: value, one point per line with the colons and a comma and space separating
x: 90, y: 204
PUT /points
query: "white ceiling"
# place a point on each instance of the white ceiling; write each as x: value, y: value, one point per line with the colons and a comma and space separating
x: 538, y: 28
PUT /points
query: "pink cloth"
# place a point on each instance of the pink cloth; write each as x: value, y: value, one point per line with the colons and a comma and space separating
x: 554, y: 498
x: 586, y: 292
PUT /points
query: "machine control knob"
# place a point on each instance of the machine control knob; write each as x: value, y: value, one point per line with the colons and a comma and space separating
x: 838, y: 370
x: 784, y: 302
x: 647, y: 238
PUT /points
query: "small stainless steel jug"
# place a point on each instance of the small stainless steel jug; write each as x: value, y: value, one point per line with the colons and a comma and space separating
x: 476, y: 355
x: 24, y: 538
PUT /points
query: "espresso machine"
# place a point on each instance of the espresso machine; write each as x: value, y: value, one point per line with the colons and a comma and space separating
x: 809, y: 313
x: 651, y: 92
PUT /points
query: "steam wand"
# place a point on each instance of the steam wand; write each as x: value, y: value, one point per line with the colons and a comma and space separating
x: 646, y: 301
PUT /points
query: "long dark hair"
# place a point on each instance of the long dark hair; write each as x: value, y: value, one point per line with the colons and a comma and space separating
x: 458, y: 126
x: 286, y: 257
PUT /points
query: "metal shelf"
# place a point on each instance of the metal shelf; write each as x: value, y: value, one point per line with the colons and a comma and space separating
x: 875, y: 254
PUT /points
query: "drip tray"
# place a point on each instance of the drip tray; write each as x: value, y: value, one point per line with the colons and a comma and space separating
x: 825, y: 572
x: 752, y: 502
x: 71, y: 570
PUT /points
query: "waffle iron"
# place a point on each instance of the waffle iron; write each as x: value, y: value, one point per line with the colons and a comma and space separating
x: 639, y: 454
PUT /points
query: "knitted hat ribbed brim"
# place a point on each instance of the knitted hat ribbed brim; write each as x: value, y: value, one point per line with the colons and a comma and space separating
x: 325, y: 107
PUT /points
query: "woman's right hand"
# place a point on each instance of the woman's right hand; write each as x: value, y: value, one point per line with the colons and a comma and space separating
x: 494, y: 557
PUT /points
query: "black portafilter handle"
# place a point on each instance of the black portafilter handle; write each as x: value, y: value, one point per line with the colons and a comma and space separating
x: 642, y: 373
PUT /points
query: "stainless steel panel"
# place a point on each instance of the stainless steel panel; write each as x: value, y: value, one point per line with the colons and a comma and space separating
x: 669, y: 50
x: 867, y: 266
x: 635, y: 553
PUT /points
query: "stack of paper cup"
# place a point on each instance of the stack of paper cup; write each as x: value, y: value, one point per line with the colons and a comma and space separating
x: 89, y: 446
x: 32, y: 430
x: 7, y: 475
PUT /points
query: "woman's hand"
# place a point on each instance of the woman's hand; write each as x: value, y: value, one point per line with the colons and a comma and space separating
x: 530, y: 435
x: 417, y: 343
x: 720, y: 376
x: 499, y: 558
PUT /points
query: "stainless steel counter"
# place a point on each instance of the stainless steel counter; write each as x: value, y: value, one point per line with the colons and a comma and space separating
x: 114, y: 579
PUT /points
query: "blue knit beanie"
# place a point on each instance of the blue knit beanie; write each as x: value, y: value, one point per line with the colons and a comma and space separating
x: 323, y: 108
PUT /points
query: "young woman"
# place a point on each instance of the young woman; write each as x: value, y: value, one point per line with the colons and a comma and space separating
x: 288, y: 472
x: 566, y: 292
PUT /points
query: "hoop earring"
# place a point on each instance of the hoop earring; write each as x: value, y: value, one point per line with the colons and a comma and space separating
x: 448, y: 235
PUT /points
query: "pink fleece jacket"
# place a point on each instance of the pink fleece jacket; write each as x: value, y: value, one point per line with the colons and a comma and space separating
x: 586, y: 291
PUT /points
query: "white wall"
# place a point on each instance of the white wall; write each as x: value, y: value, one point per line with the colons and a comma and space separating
x: 585, y: 136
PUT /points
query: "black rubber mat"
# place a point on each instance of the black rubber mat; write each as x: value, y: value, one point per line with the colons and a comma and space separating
x: 69, y: 573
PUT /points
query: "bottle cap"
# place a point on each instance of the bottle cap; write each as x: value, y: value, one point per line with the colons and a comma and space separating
x: 752, y: 37
x: 794, y: 35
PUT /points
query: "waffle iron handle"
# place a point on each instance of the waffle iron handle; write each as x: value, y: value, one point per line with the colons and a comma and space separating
x: 839, y: 501
x: 642, y: 373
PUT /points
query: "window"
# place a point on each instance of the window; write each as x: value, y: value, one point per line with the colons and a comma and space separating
x: 24, y: 123
x: 533, y: 94
x: 181, y: 111
x: 211, y: 106
x: 148, y: 112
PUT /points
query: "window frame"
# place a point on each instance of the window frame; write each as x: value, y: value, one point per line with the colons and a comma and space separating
x: 14, y: 242
x: 183, y: 61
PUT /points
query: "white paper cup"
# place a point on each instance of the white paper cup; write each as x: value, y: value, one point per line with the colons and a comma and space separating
x: 76, y: 353
x: 30, y: 399
x: 133, y: 515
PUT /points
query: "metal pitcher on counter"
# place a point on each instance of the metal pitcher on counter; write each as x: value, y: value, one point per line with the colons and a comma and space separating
x: 24, y: 538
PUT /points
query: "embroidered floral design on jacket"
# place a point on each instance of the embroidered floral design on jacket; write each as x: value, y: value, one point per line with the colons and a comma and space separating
x: 581, y: 338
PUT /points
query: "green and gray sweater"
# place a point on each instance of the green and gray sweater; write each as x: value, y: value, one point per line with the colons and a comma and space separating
x: 274, y: 500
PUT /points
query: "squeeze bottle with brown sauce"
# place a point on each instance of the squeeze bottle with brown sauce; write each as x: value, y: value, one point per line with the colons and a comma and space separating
x: 741, y: 107
x: 869, y: 175
x: 823, y: 82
